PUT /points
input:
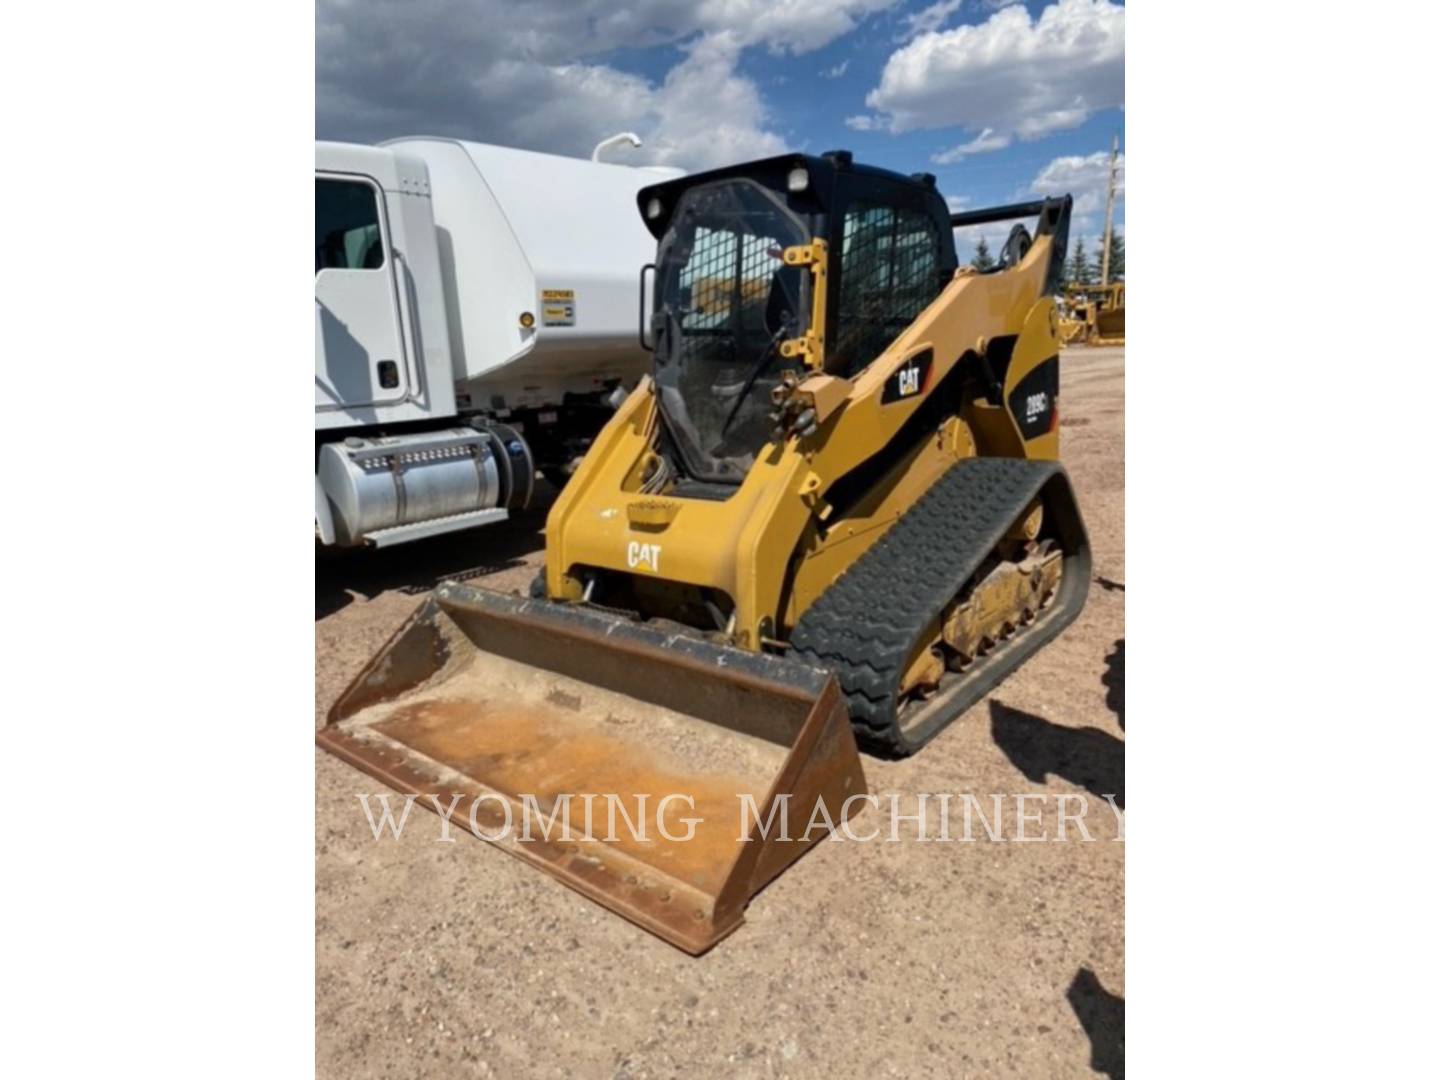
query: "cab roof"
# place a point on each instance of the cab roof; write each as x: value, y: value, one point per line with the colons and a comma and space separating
x: 771, y: 172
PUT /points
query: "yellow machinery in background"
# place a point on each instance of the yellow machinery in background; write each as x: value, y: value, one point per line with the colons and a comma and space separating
x: 1093, y: 314
x: 833, y: 513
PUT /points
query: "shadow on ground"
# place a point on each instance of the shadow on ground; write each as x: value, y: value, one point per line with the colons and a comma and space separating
x: 1102, y: 1015
x: 1114, y: 682
x: 1087, y: 757
x: 420, y: 566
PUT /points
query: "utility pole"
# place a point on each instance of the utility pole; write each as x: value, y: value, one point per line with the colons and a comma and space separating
x: 1109, y: 214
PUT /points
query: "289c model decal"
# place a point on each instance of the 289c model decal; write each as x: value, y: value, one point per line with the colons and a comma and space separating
x: 1033, y: 400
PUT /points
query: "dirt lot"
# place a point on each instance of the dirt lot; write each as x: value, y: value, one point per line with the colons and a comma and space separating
x: 912, y: 959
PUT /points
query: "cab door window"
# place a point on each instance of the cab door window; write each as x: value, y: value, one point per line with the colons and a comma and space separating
x: 347, y: 226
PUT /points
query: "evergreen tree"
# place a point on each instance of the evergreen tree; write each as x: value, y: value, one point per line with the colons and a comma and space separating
x: 982, y: 259
x: 1117, y: 257
x: 1078, y: 271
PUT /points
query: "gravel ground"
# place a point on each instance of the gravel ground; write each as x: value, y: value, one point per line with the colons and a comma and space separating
x: 913, y: 959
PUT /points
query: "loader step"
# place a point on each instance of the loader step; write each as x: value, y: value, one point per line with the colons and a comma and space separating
x: 869, y: 623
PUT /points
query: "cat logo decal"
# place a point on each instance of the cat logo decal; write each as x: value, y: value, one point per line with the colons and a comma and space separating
x: 643, y: 556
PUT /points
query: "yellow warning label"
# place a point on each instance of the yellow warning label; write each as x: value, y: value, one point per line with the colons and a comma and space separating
x: 557, y: 307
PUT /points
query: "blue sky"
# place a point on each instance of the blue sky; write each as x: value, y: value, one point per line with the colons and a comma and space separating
x: 1035, y: 90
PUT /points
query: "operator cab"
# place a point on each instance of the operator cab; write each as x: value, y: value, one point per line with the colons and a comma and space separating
x: 726, y: 301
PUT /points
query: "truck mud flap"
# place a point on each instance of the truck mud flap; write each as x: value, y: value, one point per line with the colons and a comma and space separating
x: 623, y: 760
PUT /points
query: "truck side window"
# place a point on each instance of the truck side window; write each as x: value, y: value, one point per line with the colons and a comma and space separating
x: 889, y: 274
x: 347, y: 226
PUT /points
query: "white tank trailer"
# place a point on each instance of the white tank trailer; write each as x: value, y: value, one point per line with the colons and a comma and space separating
x: 476, y: 321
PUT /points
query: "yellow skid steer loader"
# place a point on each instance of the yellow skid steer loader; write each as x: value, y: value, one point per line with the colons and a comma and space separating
x: 832, y: 514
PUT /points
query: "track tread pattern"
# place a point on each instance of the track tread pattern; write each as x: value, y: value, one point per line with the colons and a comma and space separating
x: 865, y: 626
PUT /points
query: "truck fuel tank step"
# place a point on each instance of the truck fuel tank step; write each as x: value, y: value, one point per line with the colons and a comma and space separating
x: 401, y: 534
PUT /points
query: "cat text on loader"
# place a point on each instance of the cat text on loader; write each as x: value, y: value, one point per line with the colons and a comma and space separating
x: 835, y: 507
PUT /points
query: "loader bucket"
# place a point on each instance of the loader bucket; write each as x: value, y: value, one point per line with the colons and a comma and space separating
x: 607, y: 735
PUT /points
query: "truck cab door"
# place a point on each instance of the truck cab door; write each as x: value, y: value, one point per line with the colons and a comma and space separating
x: 359, y: 349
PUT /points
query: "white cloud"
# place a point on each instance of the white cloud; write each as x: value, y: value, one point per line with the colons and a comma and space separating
x: 528, y: 75
x: 1014, y: 75
x: 1086, y: 178
x: 706, y: 114
x: 930, y: 19
x: 796, y: 26
x: 1083, y: 177
x: 984, y: 143
x: 862, y: 123
x: 836, y: 71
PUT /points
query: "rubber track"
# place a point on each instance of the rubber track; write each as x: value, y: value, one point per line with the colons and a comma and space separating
x: 867, y: 624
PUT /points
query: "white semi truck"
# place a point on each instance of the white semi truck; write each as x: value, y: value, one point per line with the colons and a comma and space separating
x: 476, y: 314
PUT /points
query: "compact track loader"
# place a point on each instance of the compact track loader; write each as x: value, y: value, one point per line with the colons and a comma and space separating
x: 833, y: 513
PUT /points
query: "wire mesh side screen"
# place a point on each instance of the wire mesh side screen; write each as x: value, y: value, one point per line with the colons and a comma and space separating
x: 889, y: 274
